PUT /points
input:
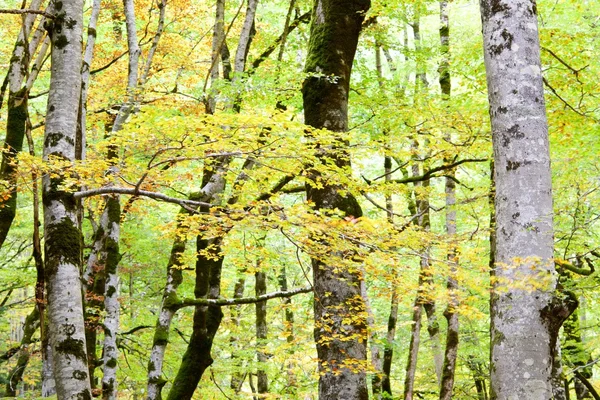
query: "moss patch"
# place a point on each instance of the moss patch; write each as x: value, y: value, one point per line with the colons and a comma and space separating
x: 73, y: 347
x: 63, y: 244
x: 80, y: 375
x: 111, y: 363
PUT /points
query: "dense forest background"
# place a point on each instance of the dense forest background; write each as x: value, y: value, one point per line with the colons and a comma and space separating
x: 192, y: 122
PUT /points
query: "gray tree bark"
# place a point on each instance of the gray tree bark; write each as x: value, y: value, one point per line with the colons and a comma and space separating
x: 522, y: 317
x: 63, y: 238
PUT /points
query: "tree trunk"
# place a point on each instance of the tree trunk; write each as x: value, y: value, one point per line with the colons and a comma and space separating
x: 16, y: 374
x: 111, y: 301
x: 197, y: 357
x: 15, y: 123
x: 451, y: 312
x: 522, y: 318
x: 63, y: 238
x: 163, y: 323
x: 292, y: 384
x: 262, y: 383
x: 335, y: 29
x: 237, y: 378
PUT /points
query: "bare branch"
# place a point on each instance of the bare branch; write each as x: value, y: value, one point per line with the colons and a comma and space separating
x: 187, y: 204
x: 26, y: 11
x: 242, y: 300
x: 430, y: 173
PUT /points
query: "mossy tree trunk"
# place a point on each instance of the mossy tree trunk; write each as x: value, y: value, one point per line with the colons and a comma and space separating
x: 63, y: 238
x: 522, y: 319
x: 197, y: 357
x: 207, y: 319
x: 166, y: 313
x: 335, y: 29
x: 15, y: 123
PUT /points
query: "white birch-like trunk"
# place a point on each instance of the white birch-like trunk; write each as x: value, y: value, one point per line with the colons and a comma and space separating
x: 86, y: 73
x: 111, y: 245
x: 522, y: 348
x: 63, y: 238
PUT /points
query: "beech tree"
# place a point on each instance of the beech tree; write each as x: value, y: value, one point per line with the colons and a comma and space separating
x: 62, y: 235
x: 525, y: 319
x: 340, y: 335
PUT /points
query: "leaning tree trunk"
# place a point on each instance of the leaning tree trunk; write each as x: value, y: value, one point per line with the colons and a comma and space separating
x: 521, y: 317
x: 341, y: 345
x: 63, y: 238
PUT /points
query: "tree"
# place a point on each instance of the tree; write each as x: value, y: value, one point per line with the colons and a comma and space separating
x: 341, y: 344
x: 63, y: 237
x: 524, y: 317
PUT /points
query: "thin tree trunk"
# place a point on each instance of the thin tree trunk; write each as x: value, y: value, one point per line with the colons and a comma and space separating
x: 376, y: 356
x: 63, y: 238
x: 15, y: 122
x: 88, y: 54
x: 111, y: 301
x: 163, y: 323
x: 261, y: 332
x: 111, y: 244
x: 239, y: 65
x: 16, y: 374
x: 210, y: 102
x: 451, y: 312
x: 207, y: 319
x: 341, y: 345
x: 197, y: 357
x: 162, y: 7
x: 237, y: 378
x: 576, y: 354
x: 524, y: 322
x: 289, y: 334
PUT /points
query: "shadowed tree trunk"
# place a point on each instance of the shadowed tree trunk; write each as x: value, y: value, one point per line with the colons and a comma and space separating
x: 341, y: 346
x: 262, y: 379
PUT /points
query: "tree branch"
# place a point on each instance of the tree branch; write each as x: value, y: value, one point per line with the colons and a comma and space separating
x: 242, y: 300
x: 137, y: 328
x: 587, y: 384
x: 26, y: 11
x: 304, y: 18
x: 187, y: 204
x: 430, y: 173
